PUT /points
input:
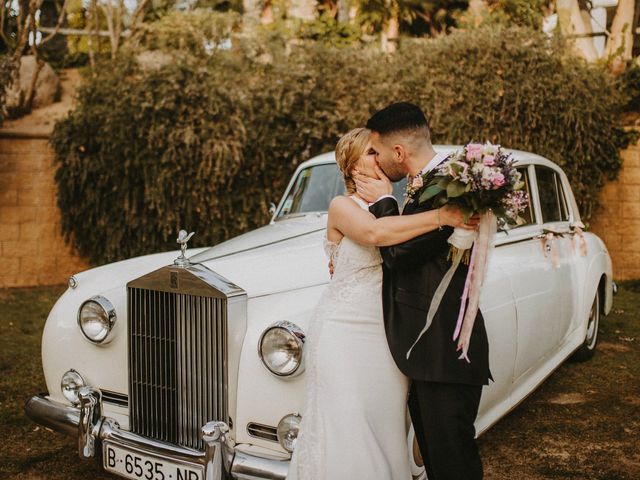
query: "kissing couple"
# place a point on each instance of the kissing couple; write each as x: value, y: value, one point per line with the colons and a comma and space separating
x: 362, y: 371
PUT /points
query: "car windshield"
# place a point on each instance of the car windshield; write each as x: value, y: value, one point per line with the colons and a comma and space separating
x: 314, y: 188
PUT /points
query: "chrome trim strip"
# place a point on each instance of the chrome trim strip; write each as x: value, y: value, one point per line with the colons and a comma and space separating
x: 275, y: 292
x: 516, y: 241
x: 197, y: 261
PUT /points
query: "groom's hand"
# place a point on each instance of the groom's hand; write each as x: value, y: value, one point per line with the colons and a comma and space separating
x: 453, y: 217
x: 370, y: 189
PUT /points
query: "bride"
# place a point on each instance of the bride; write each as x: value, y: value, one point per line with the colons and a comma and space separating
x: 353, y: 423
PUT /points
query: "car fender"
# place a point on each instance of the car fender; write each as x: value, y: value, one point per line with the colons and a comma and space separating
x: 599, y: 265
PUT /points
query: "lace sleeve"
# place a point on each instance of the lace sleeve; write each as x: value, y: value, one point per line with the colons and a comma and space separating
x: 330, y: 249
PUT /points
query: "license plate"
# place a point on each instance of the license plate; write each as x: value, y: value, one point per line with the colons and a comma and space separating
x: 138, y: 465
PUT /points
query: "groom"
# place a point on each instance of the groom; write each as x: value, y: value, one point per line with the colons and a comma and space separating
x: 445, y: 391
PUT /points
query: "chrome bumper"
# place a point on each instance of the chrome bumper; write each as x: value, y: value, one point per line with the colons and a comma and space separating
x: 221, y: 460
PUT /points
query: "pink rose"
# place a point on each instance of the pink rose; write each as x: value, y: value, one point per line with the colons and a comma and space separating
x: 498, y: 180
x: 417, y: 182
x: 474, y: 151
x: 489, y: 160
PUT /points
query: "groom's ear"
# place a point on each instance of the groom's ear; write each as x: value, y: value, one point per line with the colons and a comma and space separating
x: 399, y: 153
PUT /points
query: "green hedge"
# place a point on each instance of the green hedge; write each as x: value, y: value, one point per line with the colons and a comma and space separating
x: 207, y: 141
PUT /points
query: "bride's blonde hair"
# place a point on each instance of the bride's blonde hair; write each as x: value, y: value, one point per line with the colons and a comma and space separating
x: 348, y: 151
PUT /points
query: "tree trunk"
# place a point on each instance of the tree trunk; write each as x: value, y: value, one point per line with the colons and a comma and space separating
x: 92, y: 37
x: 56, y: 48
x: 391, y: 34
x: 476, y: 11
x: 252, y: 11
x: 266, y: 16
x: 570, y: 22
x: 302, y: 9
x: 344, y: 7
x: 620, y: 44
x: 31, y: 93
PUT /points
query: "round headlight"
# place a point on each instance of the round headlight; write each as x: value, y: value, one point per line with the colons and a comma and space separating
x: 96, y: 318
x: 288, y: 431
x: 70, y: 385
x: 280, y: 348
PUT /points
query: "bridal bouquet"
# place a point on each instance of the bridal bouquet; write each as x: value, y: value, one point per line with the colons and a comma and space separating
x: 479, y: 179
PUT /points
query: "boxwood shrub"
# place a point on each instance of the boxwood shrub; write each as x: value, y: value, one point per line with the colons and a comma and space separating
x: 207, y: 140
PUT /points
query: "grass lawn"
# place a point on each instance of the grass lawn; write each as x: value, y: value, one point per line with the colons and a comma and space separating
x: 583, y: 423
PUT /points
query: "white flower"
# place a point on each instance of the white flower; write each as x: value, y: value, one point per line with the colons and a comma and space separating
x: 490, y: 149
x: 478, y: 168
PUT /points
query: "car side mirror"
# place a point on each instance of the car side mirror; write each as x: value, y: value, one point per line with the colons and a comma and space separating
x: 272, y: 208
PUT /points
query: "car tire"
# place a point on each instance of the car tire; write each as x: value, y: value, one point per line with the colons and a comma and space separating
x: 588, y: 348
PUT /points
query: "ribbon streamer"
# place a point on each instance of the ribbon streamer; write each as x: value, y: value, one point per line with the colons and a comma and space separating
x: 551, y: 240
x: 437, y: 296
x: 465, y: 295
x: 582, y: 243
x: 475, y: 278
x: 481, y: 249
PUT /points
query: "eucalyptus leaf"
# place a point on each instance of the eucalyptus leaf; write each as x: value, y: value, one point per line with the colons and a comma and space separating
x: 430, y: 192
x: 455, y: 189
x: 443, y: 182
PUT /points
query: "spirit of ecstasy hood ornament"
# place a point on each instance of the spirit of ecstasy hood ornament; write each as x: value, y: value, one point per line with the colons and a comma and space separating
x: 183, y: 238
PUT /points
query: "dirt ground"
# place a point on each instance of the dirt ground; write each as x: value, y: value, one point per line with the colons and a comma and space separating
x: 583, y: 423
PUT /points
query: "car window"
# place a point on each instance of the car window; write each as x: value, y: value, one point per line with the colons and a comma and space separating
x: 315, y: 187
x: 552, y: 199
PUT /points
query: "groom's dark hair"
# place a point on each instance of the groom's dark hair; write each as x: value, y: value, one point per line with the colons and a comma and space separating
x: 400, y: 117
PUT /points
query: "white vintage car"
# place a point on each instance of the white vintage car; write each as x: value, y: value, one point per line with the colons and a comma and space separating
x: 176, y: 369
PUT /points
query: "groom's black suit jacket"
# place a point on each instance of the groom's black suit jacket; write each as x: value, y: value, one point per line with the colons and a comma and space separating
x: 411, y: 273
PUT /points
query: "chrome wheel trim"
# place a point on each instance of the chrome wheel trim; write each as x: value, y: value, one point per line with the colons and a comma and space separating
x: 592, y: 324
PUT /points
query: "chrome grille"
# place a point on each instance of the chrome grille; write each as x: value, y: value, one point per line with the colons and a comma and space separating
x: 177, y: 364
x: 115, y: 398
x: 263, y: 431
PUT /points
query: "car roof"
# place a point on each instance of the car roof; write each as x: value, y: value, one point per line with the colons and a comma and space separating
x: 521, y: 157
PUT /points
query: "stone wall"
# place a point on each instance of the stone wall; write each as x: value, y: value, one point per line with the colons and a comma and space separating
x: 618, y: 222
x: 32, y: 250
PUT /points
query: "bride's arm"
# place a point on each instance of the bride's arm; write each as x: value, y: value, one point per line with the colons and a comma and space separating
x: 346, y: 216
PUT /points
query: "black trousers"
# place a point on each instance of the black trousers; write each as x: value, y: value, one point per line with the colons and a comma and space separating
x: 443, y: 416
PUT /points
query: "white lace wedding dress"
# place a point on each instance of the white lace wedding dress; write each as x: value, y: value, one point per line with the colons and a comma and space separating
x: 353, y: 424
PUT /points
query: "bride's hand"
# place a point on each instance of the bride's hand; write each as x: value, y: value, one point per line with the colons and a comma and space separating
x: 453, y: 217
x: 371, y: 189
